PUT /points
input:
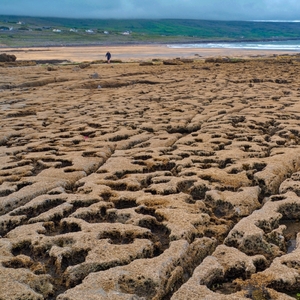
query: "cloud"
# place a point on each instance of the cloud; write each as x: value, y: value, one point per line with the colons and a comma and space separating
x: 195, y: 9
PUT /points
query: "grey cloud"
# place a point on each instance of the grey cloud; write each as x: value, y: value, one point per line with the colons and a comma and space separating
x: 196, y: 9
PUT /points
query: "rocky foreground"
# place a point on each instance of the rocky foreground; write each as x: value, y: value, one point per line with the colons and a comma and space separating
x: 150, y: 181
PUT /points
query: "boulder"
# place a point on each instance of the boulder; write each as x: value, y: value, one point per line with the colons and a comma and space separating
x: 7, y: 57
x: 172, y: 62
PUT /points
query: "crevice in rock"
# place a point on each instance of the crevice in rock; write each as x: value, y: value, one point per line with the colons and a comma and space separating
x: 22, y: 248
x: 37, y: 168
x: 285, y: 288
x: 28, y: 213
x: 117, y: 186
x: 42, y: 263
x: 124, y: 203
x: 21, y: 185
x: 168, y: 166
x: 106, y: 196
x: 99, y: 216
x: 160, y: 235
x: 32, y: 212
x: 64, y: 163
x: 72, y: 188
x: 57, y: 228
x: 149, y: 211
x: 115, y: 237
x: 74, y: 258
x: 225, y: 287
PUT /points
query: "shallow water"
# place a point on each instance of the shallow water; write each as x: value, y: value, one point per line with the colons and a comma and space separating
x: 292, y: 228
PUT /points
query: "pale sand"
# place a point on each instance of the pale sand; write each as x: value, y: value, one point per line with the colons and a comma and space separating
x: 129, y: 52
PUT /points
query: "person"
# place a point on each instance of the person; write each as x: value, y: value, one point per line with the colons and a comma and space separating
x: 108, y: 57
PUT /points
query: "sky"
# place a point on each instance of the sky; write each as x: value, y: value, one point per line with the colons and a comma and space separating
x: 156, y: 9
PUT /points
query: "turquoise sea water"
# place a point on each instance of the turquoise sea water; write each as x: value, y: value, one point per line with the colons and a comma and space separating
x: 292, y: 45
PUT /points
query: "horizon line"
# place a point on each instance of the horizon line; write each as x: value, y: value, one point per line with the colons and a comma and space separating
x: 152, y: 18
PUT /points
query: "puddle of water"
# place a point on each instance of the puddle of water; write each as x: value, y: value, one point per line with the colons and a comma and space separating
x: 290, y: 233
x: 291, y: 246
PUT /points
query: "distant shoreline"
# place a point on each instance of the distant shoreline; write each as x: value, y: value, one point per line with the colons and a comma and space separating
x: 31, y: 32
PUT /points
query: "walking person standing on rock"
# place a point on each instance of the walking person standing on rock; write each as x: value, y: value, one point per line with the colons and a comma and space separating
x: 108, y: 57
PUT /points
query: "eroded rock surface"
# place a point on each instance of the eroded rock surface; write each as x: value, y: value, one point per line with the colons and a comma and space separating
x: 170, y: 180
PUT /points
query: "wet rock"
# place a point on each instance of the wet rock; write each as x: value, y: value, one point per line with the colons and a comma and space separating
x: 146, y: 63
x: 84, y: 65
x: 7, y: 57
x: 173, y: 62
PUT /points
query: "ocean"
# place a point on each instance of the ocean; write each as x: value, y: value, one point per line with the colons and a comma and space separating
x: 290, y: 45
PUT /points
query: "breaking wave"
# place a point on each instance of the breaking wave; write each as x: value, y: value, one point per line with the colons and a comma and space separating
x: 292, y: 45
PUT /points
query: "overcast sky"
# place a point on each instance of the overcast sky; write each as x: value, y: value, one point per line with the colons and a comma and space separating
x: 195, y: 9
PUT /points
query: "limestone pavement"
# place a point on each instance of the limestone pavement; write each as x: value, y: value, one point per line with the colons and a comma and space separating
x: 162, y: 180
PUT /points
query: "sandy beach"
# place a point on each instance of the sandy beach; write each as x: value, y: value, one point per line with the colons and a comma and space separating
x: 176, y: 179
x: 129, y: 53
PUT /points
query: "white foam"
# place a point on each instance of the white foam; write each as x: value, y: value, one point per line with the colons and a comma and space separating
x: 277, y: 21
x: 293, y: 45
